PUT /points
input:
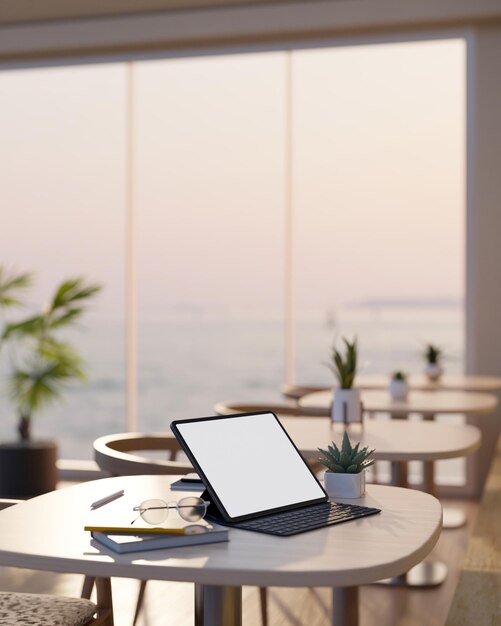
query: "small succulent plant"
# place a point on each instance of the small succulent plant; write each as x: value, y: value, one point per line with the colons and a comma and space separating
x: 433, y: 354
x: 399, y: 375
x: 347, y: 460
x: 345, y: 368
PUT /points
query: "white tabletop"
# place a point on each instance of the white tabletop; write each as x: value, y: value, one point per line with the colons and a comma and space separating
x: 447, y: 382
x: 422, y: 402
x: 394, y: 440
x: 47, y: 533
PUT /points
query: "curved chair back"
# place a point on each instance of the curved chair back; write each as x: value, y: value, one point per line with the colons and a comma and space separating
x: 283, y: 410
x: 118, y: 454
x: 295, y: 392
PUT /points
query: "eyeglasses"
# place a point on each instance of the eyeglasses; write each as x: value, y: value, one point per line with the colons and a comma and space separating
x: 156, y: 511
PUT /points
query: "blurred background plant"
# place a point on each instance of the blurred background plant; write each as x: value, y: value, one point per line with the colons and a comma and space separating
x: 40, y: 364
x: 344, y: 366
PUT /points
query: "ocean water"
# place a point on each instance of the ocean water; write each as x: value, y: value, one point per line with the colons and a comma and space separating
x: 185, y: 366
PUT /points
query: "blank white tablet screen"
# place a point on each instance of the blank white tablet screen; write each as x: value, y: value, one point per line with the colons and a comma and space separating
x: 250, y: 463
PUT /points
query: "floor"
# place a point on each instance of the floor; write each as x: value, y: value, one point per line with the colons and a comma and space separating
x: 172, y: 603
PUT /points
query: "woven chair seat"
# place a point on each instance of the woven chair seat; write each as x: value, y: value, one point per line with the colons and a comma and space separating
x: 31, y: 609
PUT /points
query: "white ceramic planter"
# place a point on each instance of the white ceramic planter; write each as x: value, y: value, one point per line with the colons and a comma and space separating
x: 344, y: 485
x: 346, y: 406
x: 399, y: 389
x: 433, y: 371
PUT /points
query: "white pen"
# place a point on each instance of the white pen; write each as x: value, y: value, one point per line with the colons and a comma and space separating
x: 110, y: 498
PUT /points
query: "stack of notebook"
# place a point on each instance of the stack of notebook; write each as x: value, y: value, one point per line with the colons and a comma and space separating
x: 122, y: 539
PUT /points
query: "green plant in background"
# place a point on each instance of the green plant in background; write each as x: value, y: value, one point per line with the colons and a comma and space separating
x: 399, y: 375
x: 40, y: 363
x: 345, y: 367
x: 433, y: 354
x: 347, y: 460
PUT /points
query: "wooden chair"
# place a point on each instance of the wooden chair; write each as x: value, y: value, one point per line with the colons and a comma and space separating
x: 119, y: 455
x: 281, y: 410
x: 34, y: 608
x: 295, y: 392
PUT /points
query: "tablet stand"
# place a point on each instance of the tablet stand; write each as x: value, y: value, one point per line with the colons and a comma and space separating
x: 213, y: 512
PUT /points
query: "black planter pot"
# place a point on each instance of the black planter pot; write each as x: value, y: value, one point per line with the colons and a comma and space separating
x: 27, y: 468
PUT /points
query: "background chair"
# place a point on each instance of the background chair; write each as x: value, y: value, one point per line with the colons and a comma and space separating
x: 295, y: 392
x: 36, y: 608
x: 119, y: 455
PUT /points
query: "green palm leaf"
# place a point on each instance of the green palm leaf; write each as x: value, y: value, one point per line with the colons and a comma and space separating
x: 10, y: 285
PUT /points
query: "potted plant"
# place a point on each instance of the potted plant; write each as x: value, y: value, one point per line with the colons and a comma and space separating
x: 345, y: 474
x: 399, y: 387
x: 433, y: 356
x: 346, y: 406
x: 39, y: 366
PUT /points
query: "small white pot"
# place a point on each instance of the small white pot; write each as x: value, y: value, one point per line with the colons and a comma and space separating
x: 346, y: 406
x: 433, y: 371
x: 399, y: 389
x: 344, y: 485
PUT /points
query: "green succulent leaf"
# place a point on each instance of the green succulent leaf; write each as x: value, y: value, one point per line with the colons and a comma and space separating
x: 349, y: 459
x: 346, y: 445
x: 353, y: 469
x: 334, y: 467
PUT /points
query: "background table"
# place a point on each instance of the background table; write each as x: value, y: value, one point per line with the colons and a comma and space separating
x: 398, y: 441
x: 47, y: 533
x: 394, y: 440
x: 425, y: 403
x: 447, y: 382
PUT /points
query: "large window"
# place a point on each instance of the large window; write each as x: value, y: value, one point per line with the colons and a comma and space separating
x: 373, y: 137
x: 210, y: 233
x: 379, y: 199
x: 62, y: 206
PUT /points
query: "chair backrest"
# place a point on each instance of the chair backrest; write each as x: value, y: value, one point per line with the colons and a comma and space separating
x: 117, y: 454
x: 295, y: 392
x: 281, y: 410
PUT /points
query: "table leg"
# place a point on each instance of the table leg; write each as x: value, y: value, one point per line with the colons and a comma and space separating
x: 345, y: 606
x: 427, y: 573
x: 398, y: 474
x: 429, y: 477
x: 218, y: 606
x: 452, y: 518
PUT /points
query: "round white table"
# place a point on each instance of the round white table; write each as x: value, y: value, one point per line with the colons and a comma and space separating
x: 417, y: 382
x: 425, y: 403
x: 398, y: 441
x: 47, y: 533
x: 394, y: 440
x: 447, y: 382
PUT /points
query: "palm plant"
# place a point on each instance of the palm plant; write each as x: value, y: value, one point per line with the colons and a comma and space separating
x: 41, y: 364
x: 345, y: 368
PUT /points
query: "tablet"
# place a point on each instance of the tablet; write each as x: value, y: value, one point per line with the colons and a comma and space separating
x: 249, y: 464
